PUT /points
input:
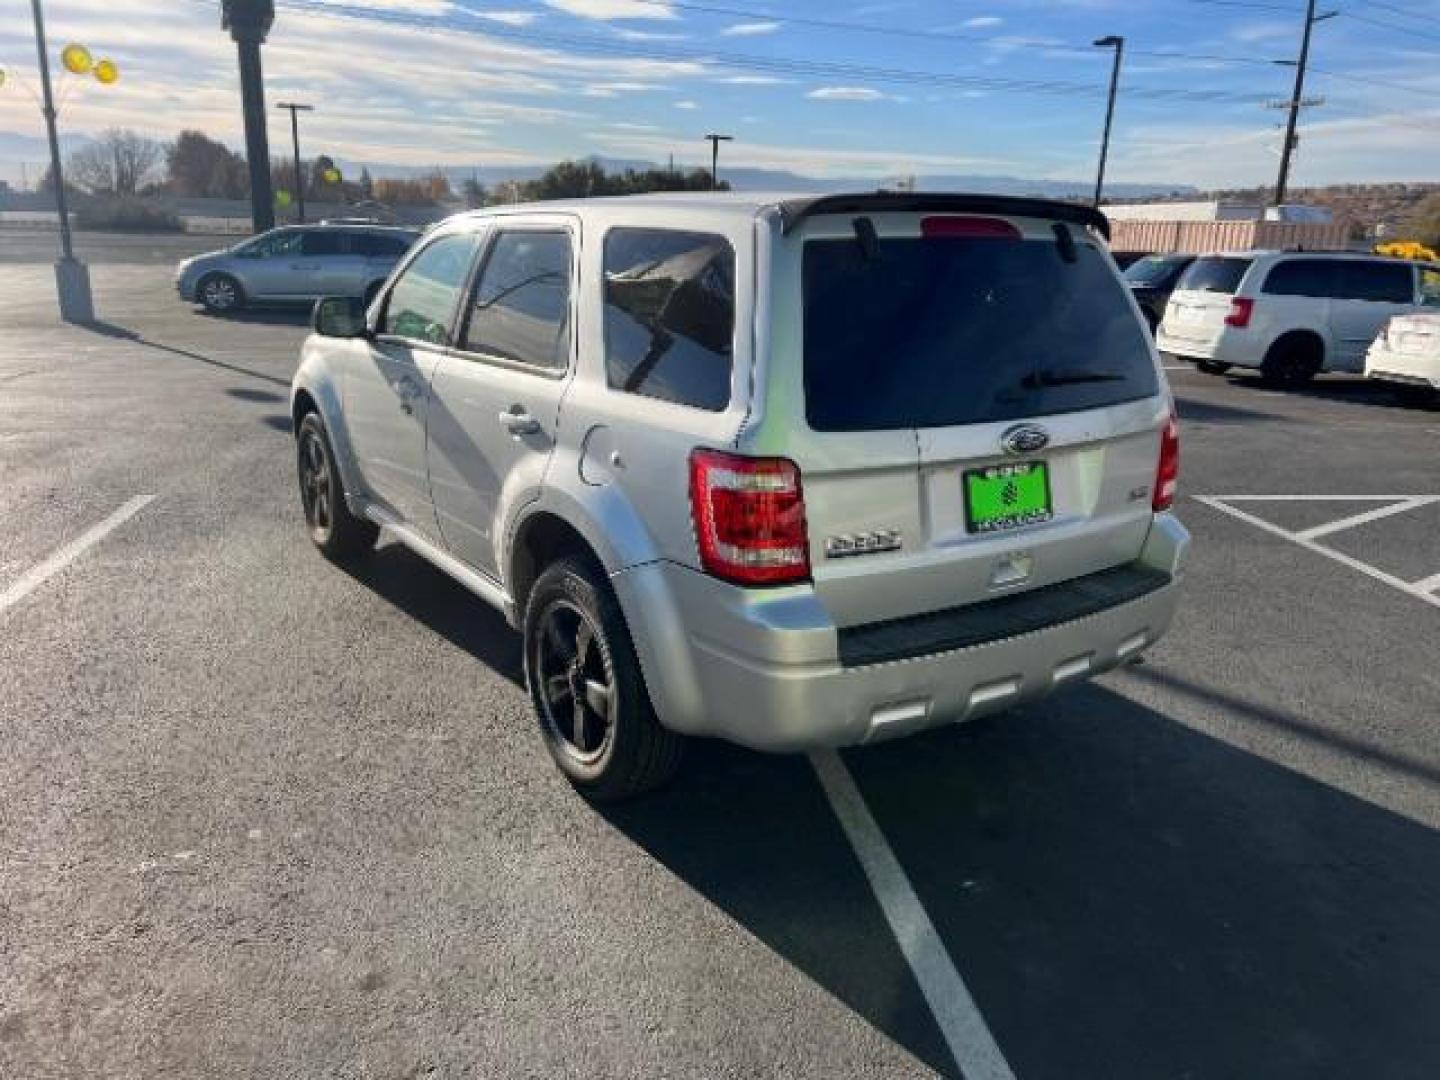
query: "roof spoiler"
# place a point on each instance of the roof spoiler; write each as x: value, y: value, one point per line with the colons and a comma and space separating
x: 795, y: 211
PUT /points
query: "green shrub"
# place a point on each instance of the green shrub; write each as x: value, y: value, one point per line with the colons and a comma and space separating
x: 125, y: 215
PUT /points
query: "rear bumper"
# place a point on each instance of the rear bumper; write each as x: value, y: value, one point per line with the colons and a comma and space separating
x: 770, y: 670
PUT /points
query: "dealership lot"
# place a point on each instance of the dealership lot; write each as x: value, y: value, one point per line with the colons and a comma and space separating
x: 263, y: 816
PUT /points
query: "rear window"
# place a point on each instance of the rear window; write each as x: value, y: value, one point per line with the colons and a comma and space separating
x: 1156, y: 271
x: 958, y: 330
x: 1216, y: 274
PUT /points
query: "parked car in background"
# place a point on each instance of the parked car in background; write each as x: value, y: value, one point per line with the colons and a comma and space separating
x: 1407, y: 354
x: 1289, y: 315
x: 798, y: 473
x: 1126, y: 259
x: 294, y: 263
x: 1152, y: 279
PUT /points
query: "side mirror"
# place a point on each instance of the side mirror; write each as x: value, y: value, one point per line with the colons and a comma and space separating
x: 339, y: 317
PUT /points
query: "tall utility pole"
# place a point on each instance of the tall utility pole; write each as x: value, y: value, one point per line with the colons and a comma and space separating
x: 715, y: 141
x: 1118, y: 44
x: 72, y: 279
x: 249, y: 22
x: 1296, y: 98
x: 295, y: 110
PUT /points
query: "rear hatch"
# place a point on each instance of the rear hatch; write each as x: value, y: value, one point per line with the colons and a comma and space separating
x: 1201, y: 301
x: 973, y: 402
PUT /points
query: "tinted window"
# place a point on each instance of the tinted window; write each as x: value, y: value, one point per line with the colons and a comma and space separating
x: 323, y: 242
x: 423, y: 299
x: 521, y: 310
x: 1304, y: 277
x: 1383, y: 283
x: 1430, y: 286
x: 670, y: 315
x: 1157, y: 271
x: 1215, y: 274
x: 940, y: 331
x: 386, y: 245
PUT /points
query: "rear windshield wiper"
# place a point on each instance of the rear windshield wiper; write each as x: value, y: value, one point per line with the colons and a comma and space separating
x: 1051, y: 377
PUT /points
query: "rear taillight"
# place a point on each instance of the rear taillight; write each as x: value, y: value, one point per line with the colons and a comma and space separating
x: 749, y: 518
x: 1241, y: 308
x: 1167, y: 473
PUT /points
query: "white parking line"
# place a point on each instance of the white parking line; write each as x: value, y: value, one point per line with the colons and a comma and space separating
x: 42, y: 571
x: 965, y: 1031
x: 1409, y: 588
x: 1367, y: 517
x: 1427, y: 585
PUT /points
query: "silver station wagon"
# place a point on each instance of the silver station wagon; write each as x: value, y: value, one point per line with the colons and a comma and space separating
x: 294, y: 263
x: 791, y: 472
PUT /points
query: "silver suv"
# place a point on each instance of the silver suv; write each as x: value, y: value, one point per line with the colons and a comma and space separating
x: 794, y: 473
x: 294, y: 263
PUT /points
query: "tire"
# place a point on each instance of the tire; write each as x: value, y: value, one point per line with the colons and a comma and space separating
x: 338, y: 533
x: 1212, y: 367
x: 220, y: 294
x: 588, y: 690
x: 1292, y: 361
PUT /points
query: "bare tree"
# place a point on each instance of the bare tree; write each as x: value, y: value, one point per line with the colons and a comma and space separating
x: 117, y: 162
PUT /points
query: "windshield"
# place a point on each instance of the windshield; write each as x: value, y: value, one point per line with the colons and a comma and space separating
x: 1156, y: 271
x: 1217, y: 274
x: 941, y: 331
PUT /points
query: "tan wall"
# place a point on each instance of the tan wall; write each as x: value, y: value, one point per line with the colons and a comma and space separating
x: 1199, y: 237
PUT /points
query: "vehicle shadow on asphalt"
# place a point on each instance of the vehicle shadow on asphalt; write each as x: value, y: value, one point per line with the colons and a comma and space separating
x: 268, y: 315
x: 121, y: 333
x: 1124, y: 896
x: 1209, y: 412
x: 396, y: 574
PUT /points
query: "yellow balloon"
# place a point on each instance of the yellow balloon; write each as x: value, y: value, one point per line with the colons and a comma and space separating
x: 332, y: 176
x: 282, y: 198
x: 107, y: 71
x: 76, y: 59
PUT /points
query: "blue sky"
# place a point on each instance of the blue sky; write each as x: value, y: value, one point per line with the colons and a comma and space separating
x: 957, y: 86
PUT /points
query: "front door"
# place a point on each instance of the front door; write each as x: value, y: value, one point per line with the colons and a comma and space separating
x: 496, y: 399
x: 388, y: 393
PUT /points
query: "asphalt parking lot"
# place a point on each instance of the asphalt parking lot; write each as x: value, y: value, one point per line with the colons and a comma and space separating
x: 261, y: 816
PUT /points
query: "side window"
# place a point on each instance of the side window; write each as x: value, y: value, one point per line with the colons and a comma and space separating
x: 1303, y: 277
x: 422, y: 300
x: 1381, y: 283
x: 322, y: 242
x: 380, y: 245
x: 276, y: 245
x: 670, y: 315
x: 521, y: 309
x: 1430, y: 286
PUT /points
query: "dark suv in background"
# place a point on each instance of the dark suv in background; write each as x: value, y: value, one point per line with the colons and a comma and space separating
x: 1152, y: 278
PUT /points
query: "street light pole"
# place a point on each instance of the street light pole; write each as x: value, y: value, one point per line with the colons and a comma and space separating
x: 1296, y: 101
x: 715, y: 141
x: 249, y: 22
x: 72, y: 279
x: 295, y: 139
x: 1118, y: 44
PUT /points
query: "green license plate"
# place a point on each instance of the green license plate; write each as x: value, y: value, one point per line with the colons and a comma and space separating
x: 1007, y: 496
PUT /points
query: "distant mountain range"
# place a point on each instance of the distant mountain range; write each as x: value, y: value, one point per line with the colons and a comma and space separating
x: 745, y: 178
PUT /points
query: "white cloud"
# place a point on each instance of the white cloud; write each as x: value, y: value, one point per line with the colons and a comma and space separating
x: 753, y: 80
x: 1256, y: 32
x: 410, y: 7
x: 981, y: 22
x: 687, y: 105
x: 626, y: 34
x: 508, y: 18
x: 615, y: 89
x: 845, y: 93
x: 750, y: 29
x: 613, y: 9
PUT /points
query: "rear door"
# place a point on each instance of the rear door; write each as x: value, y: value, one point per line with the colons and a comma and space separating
x: 1195, y: 314
x: 1369, y: 295
x: 983, y: 412
x: 497, y: 395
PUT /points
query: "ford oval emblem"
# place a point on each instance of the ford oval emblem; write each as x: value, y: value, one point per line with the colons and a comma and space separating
x: 1024, y: 439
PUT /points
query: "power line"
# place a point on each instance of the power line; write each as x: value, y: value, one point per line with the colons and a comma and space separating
x: 1369, y: 21
x: 1403, y: 12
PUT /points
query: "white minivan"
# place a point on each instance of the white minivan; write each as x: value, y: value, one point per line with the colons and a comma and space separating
x: 1290, y: 315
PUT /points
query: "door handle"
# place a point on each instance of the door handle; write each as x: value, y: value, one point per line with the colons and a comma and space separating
x: 519, y: 422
